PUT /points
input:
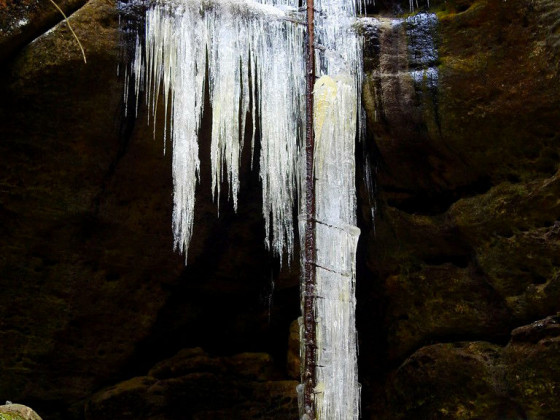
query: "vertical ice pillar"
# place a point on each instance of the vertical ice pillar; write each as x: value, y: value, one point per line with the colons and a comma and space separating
x: 337, y: 391
x: 337, y: 108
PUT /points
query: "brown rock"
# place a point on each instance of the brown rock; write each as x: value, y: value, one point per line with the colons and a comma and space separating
x: 466, y: 232
x: 193, y: 384
x: 489, y: 262
x: 514, y: 233
x: 537, y: 331
x: 441, y: 303
x: 491, y: 117
x: 75, y: 299
x: 21, y: 21
x: 481, y: 380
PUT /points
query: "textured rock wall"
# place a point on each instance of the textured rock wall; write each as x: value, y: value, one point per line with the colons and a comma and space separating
x: 467, y: 231
x: 462, y: 259
x: 69, y: 283
x: 21, y: 21
x: 92, y: 292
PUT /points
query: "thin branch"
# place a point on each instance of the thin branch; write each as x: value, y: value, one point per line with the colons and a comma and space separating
x: 71, y: 30
x: 309, y: 371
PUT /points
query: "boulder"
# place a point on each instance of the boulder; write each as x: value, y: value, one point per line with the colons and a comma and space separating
x: 11, y: 411
x: 193, y: 384
x: 481, y: 380
x: 486, y: 265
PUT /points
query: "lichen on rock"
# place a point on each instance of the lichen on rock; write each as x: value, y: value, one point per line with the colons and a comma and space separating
x: 11, y: 411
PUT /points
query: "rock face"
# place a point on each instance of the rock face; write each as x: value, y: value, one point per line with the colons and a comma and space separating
x: 92, y: 292
x: 194, y: 385
x: 21, y: 21
x: 465, y: 247
x: 483, y: 380
x: 58, y: 268
x: 462, y: 106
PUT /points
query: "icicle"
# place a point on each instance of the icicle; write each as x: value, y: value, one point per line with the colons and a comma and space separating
x: 239, y: 36
x: 175, y: 66
x: 281, y: 88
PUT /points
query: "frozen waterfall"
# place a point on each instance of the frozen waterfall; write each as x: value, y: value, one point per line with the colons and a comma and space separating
x: 247, y: 48
x: 250, y: 55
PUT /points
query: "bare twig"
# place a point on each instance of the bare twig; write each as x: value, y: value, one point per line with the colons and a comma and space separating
x: 71, y: 30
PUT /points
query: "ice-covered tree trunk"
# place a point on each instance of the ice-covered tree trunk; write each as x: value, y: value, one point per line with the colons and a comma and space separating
x: 253, y: 51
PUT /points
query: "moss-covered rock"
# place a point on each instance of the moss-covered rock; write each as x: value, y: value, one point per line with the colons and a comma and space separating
x: 491, y: 118
x: 443, y: 302
x: 470, y: 380
x: 514, y: 231
x: 532, y: 368
x: 466, y: 232
x: 490, y: 262
x: 17, y: 412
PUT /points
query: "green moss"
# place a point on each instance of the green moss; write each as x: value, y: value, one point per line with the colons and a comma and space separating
x: 450, y: 8
x: 10, y: 416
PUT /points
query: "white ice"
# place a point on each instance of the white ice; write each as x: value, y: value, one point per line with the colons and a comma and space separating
x: 337, y: 112
x: 250, y: 56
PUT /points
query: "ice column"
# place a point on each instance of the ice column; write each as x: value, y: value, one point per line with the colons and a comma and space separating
x: 337, y: 106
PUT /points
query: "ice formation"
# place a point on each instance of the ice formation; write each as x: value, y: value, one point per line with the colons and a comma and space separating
x: 418, y: 34
x: 250, y: 54
x: 337, y: 393
x: 337, y: 109
x: 246, y: 47
x: 422, y: 51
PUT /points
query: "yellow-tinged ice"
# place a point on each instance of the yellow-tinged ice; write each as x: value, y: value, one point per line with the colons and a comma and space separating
x: 324, y: 96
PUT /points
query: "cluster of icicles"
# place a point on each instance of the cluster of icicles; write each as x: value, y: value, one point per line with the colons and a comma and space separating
x: 250, y: 53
